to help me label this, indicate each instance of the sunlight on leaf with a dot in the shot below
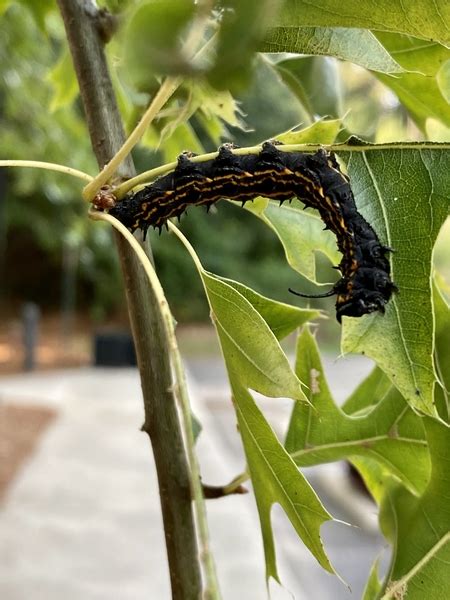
(323, 131)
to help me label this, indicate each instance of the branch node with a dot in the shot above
(106, 24)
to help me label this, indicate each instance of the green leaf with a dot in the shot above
(178, 139)
(374, 475)
(373, 585)
(64, 82)
(425, 91)
(422, 528)
(442, 351)
(4, 5)
(153, 38)
(242, 26)
(443, 80)
(255, 360)
(216, 105)
(375, 386)
(323, 131)
(173, 130)
(322, 432)
(39, 9)
(252, 353)
(281, 318)
(316, 81)
(356, 45)
(413, 54)
(404, 195)
(301, 234)
(276, 480)
(251, 350)
(418, 18)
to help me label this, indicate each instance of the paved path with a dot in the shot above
(82, 520)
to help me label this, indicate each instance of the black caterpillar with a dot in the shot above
(316, 179)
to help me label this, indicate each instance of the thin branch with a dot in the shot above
(161, 416)
(234, 487)
(37, 164)
(165, 92)
(212, 586)
(147, 176)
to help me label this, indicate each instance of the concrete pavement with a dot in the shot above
(82, 521)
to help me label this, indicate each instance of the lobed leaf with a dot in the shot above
(300, 232)
(252, 353)
(425, 90)
(322, 432)
(246, 323)
(276, 479)
(404, 195)
(323, 131)
(373, 585)
(281, 318)
(422, 527)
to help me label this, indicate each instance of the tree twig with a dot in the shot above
(161, 417)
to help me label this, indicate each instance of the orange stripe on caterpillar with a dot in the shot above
(314, 178)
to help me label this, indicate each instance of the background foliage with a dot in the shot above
(37, 69)
(393, 85)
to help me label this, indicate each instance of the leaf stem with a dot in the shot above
(212, 587)
(187, 244)
(37, 164)
(166, 90)
(236, 483)
(147, 176)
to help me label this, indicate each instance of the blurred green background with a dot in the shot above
(51, 254)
